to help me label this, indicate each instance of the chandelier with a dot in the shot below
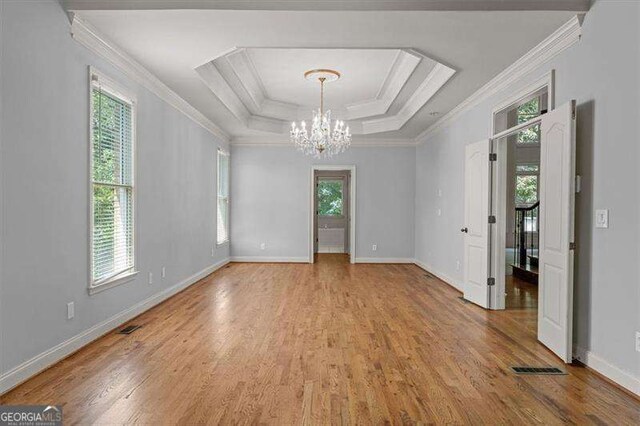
(322, 142)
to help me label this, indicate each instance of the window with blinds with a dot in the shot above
(112, 216)
(223, 198)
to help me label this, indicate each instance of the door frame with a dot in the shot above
(352, 208)
(498, 182)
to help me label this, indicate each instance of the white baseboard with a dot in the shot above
(383, 260)
(444, 277)
(602, 366)
(331, 249)
(269, 259)
(40, 362)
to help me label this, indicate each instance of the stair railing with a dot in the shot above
(527, 237)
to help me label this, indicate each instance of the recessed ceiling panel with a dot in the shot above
(268, 85)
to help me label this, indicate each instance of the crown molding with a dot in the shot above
(87, 35)
(564, 37)
(403, 66)
(279, 141)
(434, 81)
(354, 5)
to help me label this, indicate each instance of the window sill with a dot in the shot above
(114, 282)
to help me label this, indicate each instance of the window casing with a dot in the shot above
(222, 207)
(112, 190)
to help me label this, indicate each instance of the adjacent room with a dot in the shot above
(327, 212)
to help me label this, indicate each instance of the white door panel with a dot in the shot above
(557, 199)
(476, 213)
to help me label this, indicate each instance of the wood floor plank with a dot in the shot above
(328, 343)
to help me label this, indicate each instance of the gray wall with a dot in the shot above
(601, 72)
(270, 189)
(44, 126)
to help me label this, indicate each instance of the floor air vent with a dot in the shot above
(428, 276)
(538, 370)
(129, 329)
(463, 299)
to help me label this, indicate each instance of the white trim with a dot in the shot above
(284, 141)
(607, 369)
(386, 260)
(432, 83)
(338, 249)
(564, 37)
(120, 279)
(499, 178)
(352, 208)
(269, 259)
(458, 285)
(114, 88)
(322, 5)
(35, 365)
(85, 34)
(224, 153)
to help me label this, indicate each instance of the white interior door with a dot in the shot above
(557, 199)
(476, 226)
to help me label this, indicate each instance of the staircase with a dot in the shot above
(525, 262)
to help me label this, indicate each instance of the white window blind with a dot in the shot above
(223, 198)
(112, 218)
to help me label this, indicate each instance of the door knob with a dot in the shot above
(465, 230)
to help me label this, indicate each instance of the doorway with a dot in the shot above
(332, 211)
(332, 224)
(542, 231)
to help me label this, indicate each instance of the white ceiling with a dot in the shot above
(178, 45)
(281, 71)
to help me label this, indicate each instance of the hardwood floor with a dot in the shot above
(520, 294)
(318, 344)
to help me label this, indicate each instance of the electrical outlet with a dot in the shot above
(439, 211)
(263, 246)
(638, 341)
(150, 277)
(213, 251)
(374, 247)
(71, 310)
(457, 265)
(164, 272)
(439, 192)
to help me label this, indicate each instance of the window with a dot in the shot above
(112, 182)
(526, 183)
(527, 192)
(526, 112)
(330, 196)
(223, 198)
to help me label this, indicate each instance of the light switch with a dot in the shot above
(602, 218)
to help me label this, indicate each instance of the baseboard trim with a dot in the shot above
(331, 249)
(443, 277)
(608, 370)
(383, 260)
(269, 259)
(44, 360)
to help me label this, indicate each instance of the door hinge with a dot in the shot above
(491, 281)
(493, 156)
(492, 219)
(572, 246)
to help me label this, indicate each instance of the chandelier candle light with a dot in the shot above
(322, 143)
